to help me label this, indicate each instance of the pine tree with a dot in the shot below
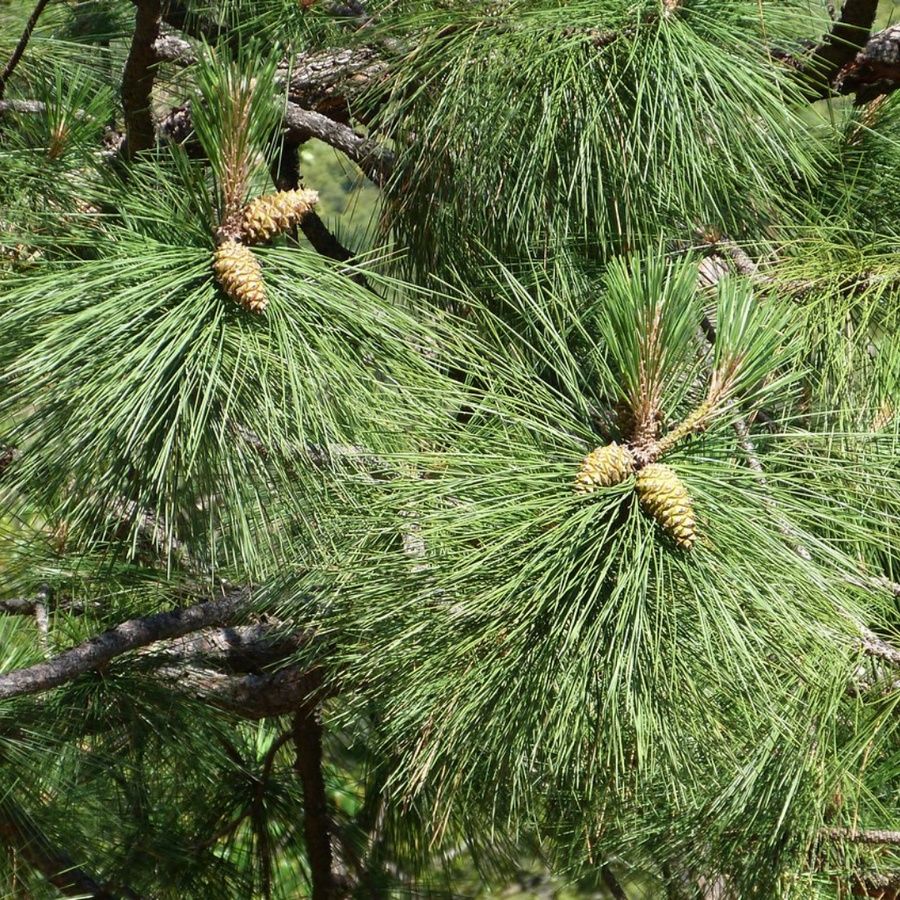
(449, 442)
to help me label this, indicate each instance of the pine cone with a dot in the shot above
(271, 215)
(604, 467)
(663, 495)
(240, 275)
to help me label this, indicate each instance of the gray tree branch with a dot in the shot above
(127, 636)
(863, 835)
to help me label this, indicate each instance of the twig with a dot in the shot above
(10, 66)
(42, 618)
(126, 636)
(612, 884)
(862, 835)
(137, 79)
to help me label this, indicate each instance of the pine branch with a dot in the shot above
(327, 81)
(307, 734)
(19, 50)
(882, 887)
(177, 15)
(130, 635)
(19, 832)
(137, 79)
(286, 175)
(612, 884)
(34, 107)
(252, 696)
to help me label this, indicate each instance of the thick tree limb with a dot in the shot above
(328, 81)
(850, 33)
(875, 70)
(253, 696)
(13, 61)
(127, 636)
(373, 158)
(307, 734)
(137, 79)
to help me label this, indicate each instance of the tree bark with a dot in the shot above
(307, 733)
(137, 79)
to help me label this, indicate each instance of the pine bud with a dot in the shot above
(274, 214)
(663, 495)
(604, 467)
(240, 275)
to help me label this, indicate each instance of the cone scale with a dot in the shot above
(604, 467)
(274, 214)
(239, 273)
(663, 495)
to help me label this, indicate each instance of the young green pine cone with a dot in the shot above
(271, 215)
(240, 275)
(604, 467)
(663, 495)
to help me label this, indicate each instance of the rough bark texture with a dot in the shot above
(850, 33)
(875, 70)
(129, 635)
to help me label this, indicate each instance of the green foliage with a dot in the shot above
(607, 222)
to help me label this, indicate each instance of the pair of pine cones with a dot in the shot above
(660, 491)
(236, 268)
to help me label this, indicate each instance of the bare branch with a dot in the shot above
(850, 33)
(177, 15)
(328, 81)
(373, 158)
(129, 635)
(137, 79)
(875, 71)
(307, 733)
(252, 696)
(863, 835)
(10, 66)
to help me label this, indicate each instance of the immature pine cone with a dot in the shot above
(239, 273)
(271, 215)
(604, 467)
(663, 495)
